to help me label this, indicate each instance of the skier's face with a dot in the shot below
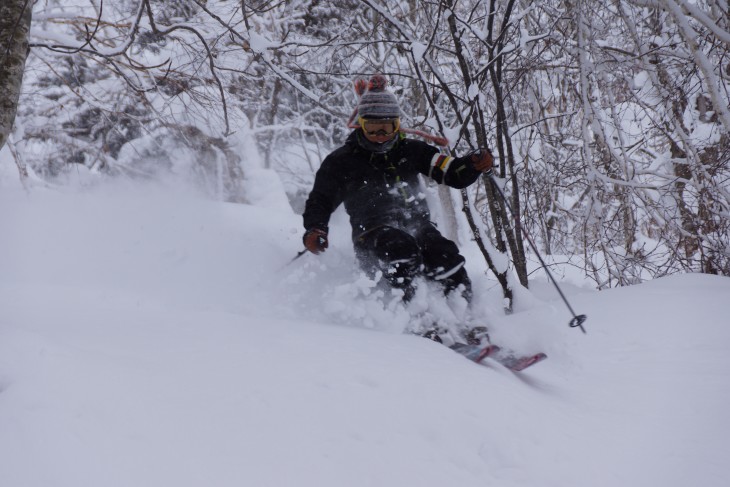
(380, 130)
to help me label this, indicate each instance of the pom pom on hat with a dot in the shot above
(376, 102)
(377, 82)
(360, 86)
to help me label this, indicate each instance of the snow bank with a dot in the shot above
(148, 338)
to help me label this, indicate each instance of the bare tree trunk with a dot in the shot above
(14, 27)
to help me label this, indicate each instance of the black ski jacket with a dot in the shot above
(381, 189)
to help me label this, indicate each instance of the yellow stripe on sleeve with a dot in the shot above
(444, 166)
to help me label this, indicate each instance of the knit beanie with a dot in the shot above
(377, 102)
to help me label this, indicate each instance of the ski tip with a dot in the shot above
(522, 364)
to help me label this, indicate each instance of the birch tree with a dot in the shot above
(15, 18)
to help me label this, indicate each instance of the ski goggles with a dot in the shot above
(380, 126)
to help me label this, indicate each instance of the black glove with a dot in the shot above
(315, 240)
(482, 160)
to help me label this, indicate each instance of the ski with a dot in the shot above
(509, 359)
(514, 361)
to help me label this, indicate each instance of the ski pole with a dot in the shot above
(321, 242)
(299, 254)
(578, 320)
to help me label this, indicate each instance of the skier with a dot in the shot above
(375, 174)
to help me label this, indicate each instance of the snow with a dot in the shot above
(150, 338)
(419, 50)
(260, 43)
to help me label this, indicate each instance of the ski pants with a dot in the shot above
(401, 256)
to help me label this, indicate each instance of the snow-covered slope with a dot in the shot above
(157, 340)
